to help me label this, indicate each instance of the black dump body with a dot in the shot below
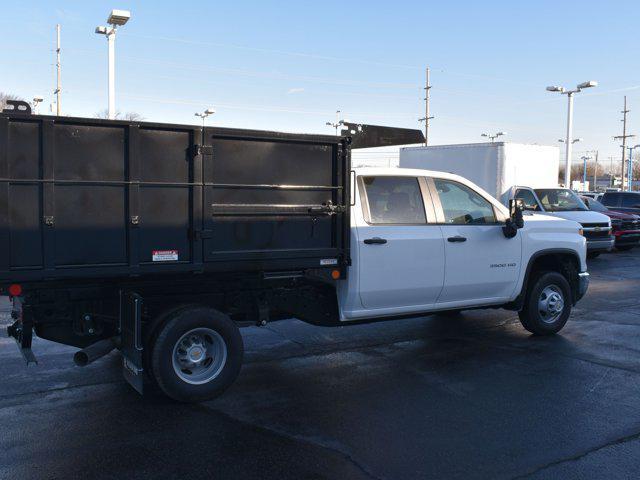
(87, 198)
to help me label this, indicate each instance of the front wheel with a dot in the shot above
(547, 305)
(197, 354)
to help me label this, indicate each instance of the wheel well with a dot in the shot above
(565, 263)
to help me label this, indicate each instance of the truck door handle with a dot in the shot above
(457, 239)
(375, 241)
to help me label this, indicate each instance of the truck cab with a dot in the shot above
(424, 241)
(564, 203)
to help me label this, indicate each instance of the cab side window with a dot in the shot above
(631, 200)
(611, 199)
(394, 200)
(461, 205)
(528, 198)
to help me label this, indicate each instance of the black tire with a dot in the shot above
(624, 248)
(593, 255)
(531, 317)
(149, 335)
(178, 324)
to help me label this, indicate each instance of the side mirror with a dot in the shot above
(515, 220)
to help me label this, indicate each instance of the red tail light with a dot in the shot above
(15, 290)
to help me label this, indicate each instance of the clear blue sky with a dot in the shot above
(289, 65)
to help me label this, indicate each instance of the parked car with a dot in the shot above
(594, 195)
(246, 228)
(625, 226)
(565, 203)
(628, 202)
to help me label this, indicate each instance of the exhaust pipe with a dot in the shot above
(94, 351)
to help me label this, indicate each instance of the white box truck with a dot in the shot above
(514, 170)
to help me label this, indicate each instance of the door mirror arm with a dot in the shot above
(515, 220)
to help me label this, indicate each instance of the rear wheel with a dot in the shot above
(624, 248)
(547, 305)
(593, 254)
(197, 354)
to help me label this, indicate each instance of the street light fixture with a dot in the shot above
(117, 18)
(494, 136)
(36, 102)
(205, 114)
(338, 123)
(575, 140)
(568, 143)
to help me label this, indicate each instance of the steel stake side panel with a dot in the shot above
(92, 198)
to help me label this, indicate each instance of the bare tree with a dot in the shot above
(130, 116)
(7, 96)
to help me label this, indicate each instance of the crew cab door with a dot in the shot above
(400, 255)
(482, 265)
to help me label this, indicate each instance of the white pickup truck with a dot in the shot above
(426, 241)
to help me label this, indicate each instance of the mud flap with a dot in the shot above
(131, 335)
(22, 330)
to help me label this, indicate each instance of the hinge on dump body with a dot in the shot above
(202, 150)
(22, 331)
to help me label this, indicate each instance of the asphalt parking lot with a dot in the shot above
(473, 396)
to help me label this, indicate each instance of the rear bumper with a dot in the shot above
(583, 285)
(601, 245)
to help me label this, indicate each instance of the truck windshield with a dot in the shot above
(594, 205)
(560, 200)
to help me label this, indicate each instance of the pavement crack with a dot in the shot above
(579, 456)
(59, 389)
(297, 438)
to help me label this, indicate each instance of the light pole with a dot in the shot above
(36, 102)
(494, 136)
(568, 143)
(338, 123)
(630, 167)
(205, 114)
(575, 140)
(116, 19)
(584, 158)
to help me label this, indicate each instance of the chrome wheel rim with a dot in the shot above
(199, 356)
(550, 304)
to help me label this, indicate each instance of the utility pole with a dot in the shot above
(624, 137)
(58, 89)
(426, 117)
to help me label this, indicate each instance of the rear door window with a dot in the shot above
(394, 200)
